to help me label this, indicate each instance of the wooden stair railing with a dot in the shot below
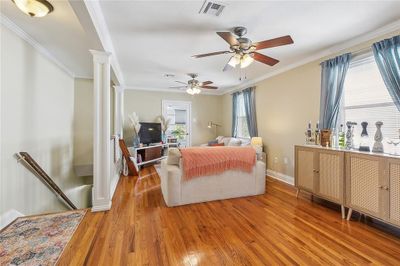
(126, 154)
(38, 171)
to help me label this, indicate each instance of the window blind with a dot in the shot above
(367, 99)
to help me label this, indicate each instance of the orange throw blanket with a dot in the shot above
(203, 161)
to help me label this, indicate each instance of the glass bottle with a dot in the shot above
(341, 137)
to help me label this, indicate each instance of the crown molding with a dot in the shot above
(96, 14)
(391, 27)
(6, 22)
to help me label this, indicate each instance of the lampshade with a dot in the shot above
(34, 8)
(256, 141)
(246, 61)
(235, 60)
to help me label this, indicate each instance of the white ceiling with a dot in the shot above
(151, 38)
(156, 37)
(60, 33)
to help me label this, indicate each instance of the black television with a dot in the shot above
(150, 133)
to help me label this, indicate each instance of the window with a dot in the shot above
(366, 98)
(242, 131)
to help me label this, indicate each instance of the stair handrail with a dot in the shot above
(39, 172)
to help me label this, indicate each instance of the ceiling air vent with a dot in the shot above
(212, 8)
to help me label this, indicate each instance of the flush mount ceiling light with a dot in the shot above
(34, 8)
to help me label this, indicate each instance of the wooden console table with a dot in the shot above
(363, 181)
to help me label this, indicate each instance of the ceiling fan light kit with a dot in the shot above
(245, 51)
(34, 8)
(193, 86)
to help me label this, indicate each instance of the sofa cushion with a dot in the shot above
(234, 142)
(174, 156)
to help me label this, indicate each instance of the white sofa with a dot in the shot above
(230, 184)
(230, 141)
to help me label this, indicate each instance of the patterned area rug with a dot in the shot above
(38, 240)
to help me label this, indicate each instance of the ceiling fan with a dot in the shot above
(193, 86)
(244, 50)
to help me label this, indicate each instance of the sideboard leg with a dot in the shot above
(297, 193)
(349, 214)
(343, 212)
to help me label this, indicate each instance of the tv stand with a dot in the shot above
(149, 154)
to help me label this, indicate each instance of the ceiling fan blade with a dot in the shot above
(206, 83)
(284, 40)
(265, 59)
(209, 87)
(210, 54)
(181, 82)
(228, 37)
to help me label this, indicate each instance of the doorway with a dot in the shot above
(180, 126)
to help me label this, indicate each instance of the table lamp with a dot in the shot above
(257, 144)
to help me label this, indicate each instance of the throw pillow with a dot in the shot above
(220, 139)
(211, 142)
(217, 144)
(174, 156)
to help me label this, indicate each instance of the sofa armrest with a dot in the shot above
(171, 183)
(260, 177)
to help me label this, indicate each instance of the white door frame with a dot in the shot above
(188, 106)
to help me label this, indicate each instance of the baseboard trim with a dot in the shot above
(103, 207)
(8, 217)
(281, 177)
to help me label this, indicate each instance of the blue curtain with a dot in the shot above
(333, 75)
(249, 98)
(387, 57)
(234, 113)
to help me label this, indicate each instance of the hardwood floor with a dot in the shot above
(274, 228)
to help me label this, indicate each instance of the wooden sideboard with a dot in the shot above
(366, 182)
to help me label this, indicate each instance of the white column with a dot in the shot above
(119, 110)
(101, 136)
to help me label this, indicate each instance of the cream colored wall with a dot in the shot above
(285, 103)
(37, 111)
(147, 104)
(83, 122)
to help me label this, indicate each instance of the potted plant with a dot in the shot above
(179, 132)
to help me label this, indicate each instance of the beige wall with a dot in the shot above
(285, 103)
(37, 111)
(83, 122)
(147, 105)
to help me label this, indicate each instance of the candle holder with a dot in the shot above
(364, 144)
(349, 134)
(378, 145)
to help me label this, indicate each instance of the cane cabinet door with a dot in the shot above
(305, 168)
(394, 191)
(365, 183)
(330, 175)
